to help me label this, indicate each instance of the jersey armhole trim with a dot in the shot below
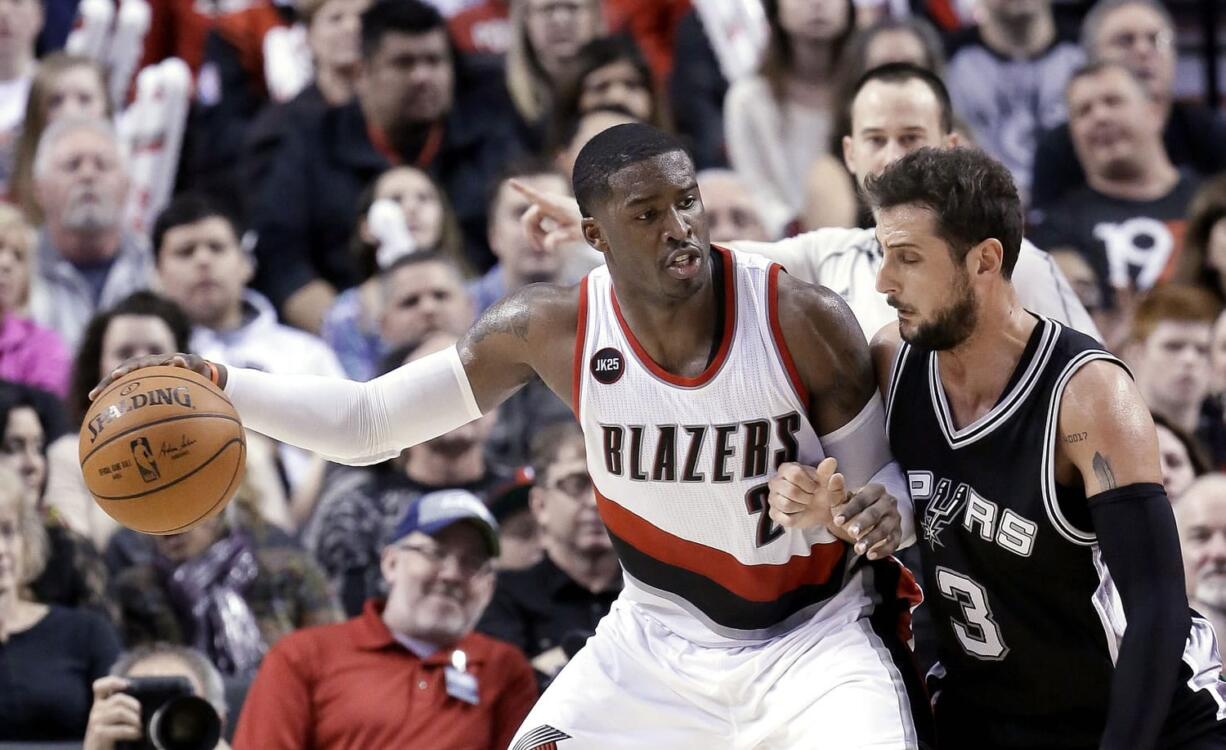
(576, 385)
(895, 376)
(789, 364)
(1051, 501)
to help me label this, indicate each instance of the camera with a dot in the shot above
(172, 717)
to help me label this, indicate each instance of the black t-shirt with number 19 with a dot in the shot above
(1027, 618)
(1126, 242)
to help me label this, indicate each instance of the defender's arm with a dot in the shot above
(1106, 441)
(833, 358)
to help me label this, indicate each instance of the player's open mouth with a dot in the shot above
(685, 264)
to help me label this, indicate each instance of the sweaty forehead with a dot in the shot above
(909, 224)
(661, 174)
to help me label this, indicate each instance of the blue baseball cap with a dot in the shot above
(435, 511)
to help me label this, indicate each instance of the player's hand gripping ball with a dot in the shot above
(162, 449)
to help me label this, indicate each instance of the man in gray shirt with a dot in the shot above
(86, 260)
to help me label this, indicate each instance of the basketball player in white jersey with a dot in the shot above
(695, 373)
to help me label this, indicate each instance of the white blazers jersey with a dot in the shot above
(680, 466)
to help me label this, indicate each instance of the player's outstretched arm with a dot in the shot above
(1106, 440)
(833, 359)
(362, 423)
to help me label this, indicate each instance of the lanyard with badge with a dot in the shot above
(461, 685)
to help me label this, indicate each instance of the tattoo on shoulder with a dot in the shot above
(1102, 471)
(1075, 437)
(512, 316)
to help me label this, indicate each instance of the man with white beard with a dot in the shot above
(1200, 514)
(86, 260)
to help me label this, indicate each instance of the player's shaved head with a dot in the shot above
(613, 150)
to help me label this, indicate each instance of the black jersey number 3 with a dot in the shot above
(977, 632)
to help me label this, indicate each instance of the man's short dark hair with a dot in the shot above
(902, 72)
(397, 16)
(971, 196)
(189, 208)
(613, 150)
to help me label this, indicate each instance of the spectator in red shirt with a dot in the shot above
(409, 672)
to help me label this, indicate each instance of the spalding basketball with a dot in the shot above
(162, 449)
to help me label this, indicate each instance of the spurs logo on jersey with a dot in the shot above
(944, 503)
(681, 465)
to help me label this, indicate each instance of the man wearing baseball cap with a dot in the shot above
(409, 672)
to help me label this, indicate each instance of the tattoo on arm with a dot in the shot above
(1075, 437)
(1102, 470)
(513, 316)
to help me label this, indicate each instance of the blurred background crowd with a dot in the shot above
(325, 187)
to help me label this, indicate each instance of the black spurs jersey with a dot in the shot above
(1027, 618)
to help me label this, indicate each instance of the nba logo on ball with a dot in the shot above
(162, 449)
(143, 455)
(608, 365)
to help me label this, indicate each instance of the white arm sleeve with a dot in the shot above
(863, 453)
(357, 423)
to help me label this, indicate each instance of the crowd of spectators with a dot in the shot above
(360, 179)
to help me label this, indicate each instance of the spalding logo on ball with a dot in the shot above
(162, 449)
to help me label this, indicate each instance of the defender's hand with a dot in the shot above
(552, 221)
(870, 519)
(186, 361)
(801, 497)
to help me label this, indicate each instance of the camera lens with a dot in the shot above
(185, 723)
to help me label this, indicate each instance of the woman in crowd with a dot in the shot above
(74, 574)
(29, 353)
(832, 199)
(546, 37)
(1204, 241)
(334, 30)
(779, 122)
(610, 72)
(49, 655)
(334, 37)
(1181, 458)
(142, 324)
(351, 325)
(64, 86)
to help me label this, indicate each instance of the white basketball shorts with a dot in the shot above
(824, 685)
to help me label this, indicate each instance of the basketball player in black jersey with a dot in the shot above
(1051, 560)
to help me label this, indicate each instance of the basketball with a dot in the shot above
(162, 449)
